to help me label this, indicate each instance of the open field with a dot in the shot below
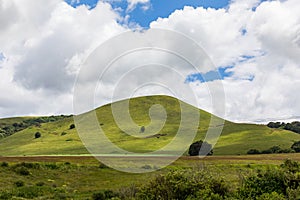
(78, 177)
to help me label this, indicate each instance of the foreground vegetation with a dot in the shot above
(235, 177)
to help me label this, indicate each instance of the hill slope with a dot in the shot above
(58, 139)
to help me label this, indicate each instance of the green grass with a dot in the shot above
(79, 178)
(235, 138)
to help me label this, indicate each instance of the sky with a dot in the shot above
(254, 46)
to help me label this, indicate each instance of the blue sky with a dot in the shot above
(158, 8)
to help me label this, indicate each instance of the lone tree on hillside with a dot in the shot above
(72, 126)
(206, 149)
(142, 129)
(37, 135)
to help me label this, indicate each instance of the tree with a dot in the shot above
(296, 146)
(37, 135)
(142, 129)
(206, 148)
(72, 126)
(253, 151)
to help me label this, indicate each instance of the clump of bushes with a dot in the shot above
(276, 149)
(10, 129)
(19, 183)
(103, 195)
(294, 126)
(4, 164)
(184, 184)
(276, 183)
(22, 171)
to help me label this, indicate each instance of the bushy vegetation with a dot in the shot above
(273, 182)
(7, 129)
(184, 184)
(295, 148)
(281, 183)
(294, 126)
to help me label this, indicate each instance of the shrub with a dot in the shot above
(272, 180)
(271, 196)
(296, 146)
(103, 166)
(40, 183)
(184, 185)
(22, 171)
(253, 151)
(37, 135)
(19, 183)
(63, 133)
(52, 166)
(31, 192)
(72, 126)
(5, 195)
(103, 195)
(4, 164)
(146, 167)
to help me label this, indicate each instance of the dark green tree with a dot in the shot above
(37, 135)
(296, 146)
(142, 129)
(200, 148)
(72, 126)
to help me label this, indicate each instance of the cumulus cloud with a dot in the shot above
(260, 42)
(44, 43)
(133, 3)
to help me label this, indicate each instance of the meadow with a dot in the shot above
(55, 164)
(58, 139)
(86, 178)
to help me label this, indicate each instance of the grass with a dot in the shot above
(58, 139)
(79, 177)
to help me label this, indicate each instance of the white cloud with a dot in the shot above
(44, 43)
(133, 3)
(268, 32)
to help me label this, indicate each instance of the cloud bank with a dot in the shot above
(43, 45)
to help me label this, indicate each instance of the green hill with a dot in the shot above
(58, 139)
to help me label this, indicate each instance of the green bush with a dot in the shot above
(52, 166)
(253, 151)
(184, 185)
(264, 182)
(30, 192)
(22, 171)
(37, 135)
(271, 196)
(63, 133)
(40, 183)
(19, 183)
(72, 126)
(4, 164)
(296, 146)
(103, 195)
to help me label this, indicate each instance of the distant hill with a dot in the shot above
(58, 139)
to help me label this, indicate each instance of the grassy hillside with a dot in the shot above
(58, 139)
